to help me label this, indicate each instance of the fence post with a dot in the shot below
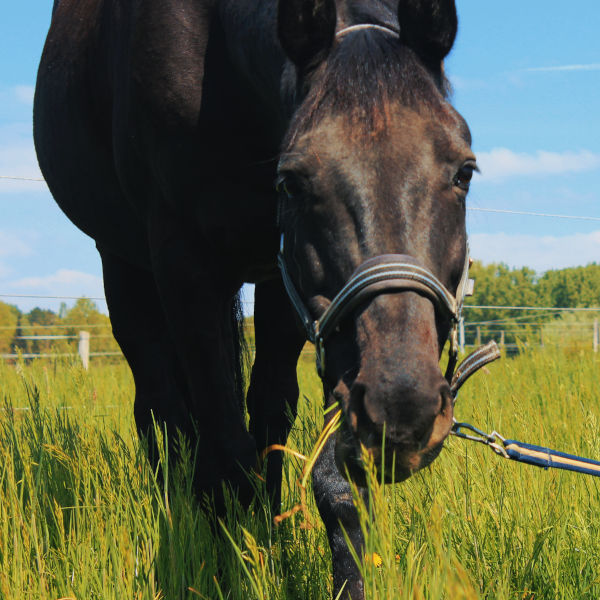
(541, 336)
(502, 339)
(84, 348)
(461, 335)
(478, 335)
(596, 335)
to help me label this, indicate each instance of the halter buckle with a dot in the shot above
(453, 337)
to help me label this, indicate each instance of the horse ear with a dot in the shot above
(429, 28)
(306, 30)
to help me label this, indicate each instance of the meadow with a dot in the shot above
(83, 516)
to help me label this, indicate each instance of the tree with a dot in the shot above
(40, 322)
(85, 314)
(9, 319)
(497, 285)
(41, 316)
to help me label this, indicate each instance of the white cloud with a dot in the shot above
(557, 68)
(248, 299)
(500, 163)
(50, 291)
(64, 282)
(17, 96)
(18, 161)
(538, 252)
(462, 84)
(24, 94)
(12, 245)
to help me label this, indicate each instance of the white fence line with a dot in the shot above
(531, 214)
(45, 337)
(41, 297)
(469, 208)
(539, 308)
(541, 326)
(83, 348)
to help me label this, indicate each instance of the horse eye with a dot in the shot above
(287, 187)
(463, 178)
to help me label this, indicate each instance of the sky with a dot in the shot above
(526, 76)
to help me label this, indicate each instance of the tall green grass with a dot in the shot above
(82, 514)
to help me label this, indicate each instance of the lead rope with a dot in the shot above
(538, 456)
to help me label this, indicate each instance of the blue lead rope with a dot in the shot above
(539, 456)
(547, 458)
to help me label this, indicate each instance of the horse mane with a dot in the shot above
(363, 73)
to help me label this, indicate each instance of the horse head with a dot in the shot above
(373, 179)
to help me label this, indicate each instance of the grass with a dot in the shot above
(83, 516)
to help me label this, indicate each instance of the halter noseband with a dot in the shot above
(382, 274)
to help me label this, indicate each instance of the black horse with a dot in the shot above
(202, 142)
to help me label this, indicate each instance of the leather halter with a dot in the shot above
(382, 274)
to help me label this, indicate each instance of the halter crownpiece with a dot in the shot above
(362, 26)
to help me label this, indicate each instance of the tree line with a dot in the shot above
(498, 285)
(495, 285)
(16, 326)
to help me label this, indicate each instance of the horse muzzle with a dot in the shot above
(397, 446)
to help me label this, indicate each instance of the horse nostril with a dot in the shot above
(357, 415)
(423, 437)
(434, 418)
(441, 422)
(447, 399)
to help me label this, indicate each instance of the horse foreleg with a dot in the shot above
(139, 326)
(196, 296)
(334, 501)
(273, 394)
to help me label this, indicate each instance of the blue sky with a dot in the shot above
(526, 76)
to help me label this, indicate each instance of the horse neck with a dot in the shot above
(251, 32)
(250, 29)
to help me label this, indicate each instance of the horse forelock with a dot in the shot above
(363, 75)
